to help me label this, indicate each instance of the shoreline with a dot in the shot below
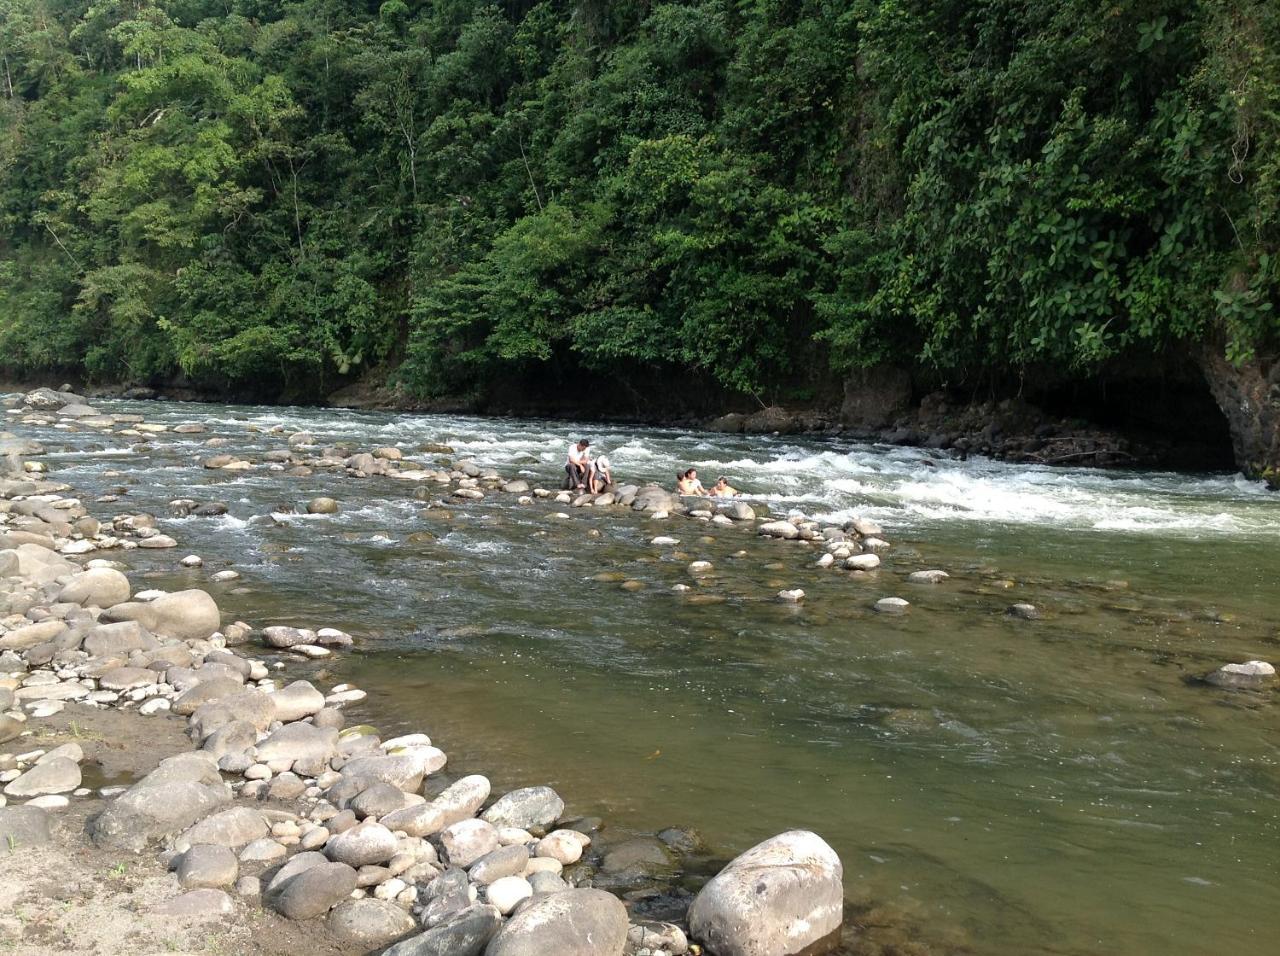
(313, 762)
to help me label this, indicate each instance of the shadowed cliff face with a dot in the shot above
(1249, 396)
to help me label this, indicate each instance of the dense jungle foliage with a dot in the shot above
(260, 191)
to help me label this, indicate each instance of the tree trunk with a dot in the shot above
(1249, 396)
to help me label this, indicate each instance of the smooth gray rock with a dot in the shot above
(234, 827)
(363, 844)
(251, 706)
(777, 899)
(573, 923)
(297, 700)
(207, 867)
(369, 923)
(381, 799)
(529, 807)
(468, 840)
(299, 863)
(23, 827)
(205, 904)
(59, 775)
(459, 801)
(464, 932)
(299, 742)
(504, 861)
(99, 587)
(117, 640)
(315, 890)
(236, 737)
(190, 615)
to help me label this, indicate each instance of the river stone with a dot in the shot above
(862, 562)
(322, 506)
(251, 706)
(313, 891)
(369, 924)
(403, 770)
(564, 846)
(780, 529)
(1025, 612)
(526, 808)
(466, 841)
(655, 498)
(365, 843)
(740, 511)
(297, 700)
(892, 605)
(59, 775)
(100, 587)
(381, 799)
(10, 727)
(231, 828)
(499, 863)
(573, 923)
(127, 678)
(263, 850)
(297, 864)
(190, 615)
(657, 936)
(182, 790)
(776, 899)
(22, 827)
(927, 577)
(117, 640)
(641, 857)
(207, 866)
(29, 635)
(507, 893)
(197, 695)
(281, 636)
(462, 933)
(1248, 674)
(459, 801)
(299, 741)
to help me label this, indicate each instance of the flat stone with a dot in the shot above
(207, 867)
(59, 775)
(206, 904)
(369, 924)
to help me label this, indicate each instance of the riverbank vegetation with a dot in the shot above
(253, 191)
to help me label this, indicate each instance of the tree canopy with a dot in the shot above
(264, 191)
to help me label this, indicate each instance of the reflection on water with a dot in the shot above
(996, 786)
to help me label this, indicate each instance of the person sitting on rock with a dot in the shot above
(578, 466)
(687, 483)
(722, 488)
(601, 475)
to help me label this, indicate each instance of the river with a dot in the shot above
(992, 785)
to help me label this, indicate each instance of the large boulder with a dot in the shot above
(47, 399)
(526, 808)
(99, 587)
(781, 897)
(572, 923)
(183, 789)
(187, 615)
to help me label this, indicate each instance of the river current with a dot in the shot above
(992, 785)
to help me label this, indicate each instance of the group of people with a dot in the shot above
(594, 475)
(687, 483)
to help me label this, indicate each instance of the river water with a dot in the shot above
(992, 785)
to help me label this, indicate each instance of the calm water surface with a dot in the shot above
(993, 786)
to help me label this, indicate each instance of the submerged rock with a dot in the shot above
(1250, 674)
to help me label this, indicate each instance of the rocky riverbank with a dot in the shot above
(145, 736)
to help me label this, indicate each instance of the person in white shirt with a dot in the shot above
(578, 465)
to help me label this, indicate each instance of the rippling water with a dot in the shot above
(993, 786)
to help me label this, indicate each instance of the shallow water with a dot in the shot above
(993, 786)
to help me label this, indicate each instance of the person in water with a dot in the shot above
(722, 488)
(601, 475)
(578, 465)
(687, 483)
